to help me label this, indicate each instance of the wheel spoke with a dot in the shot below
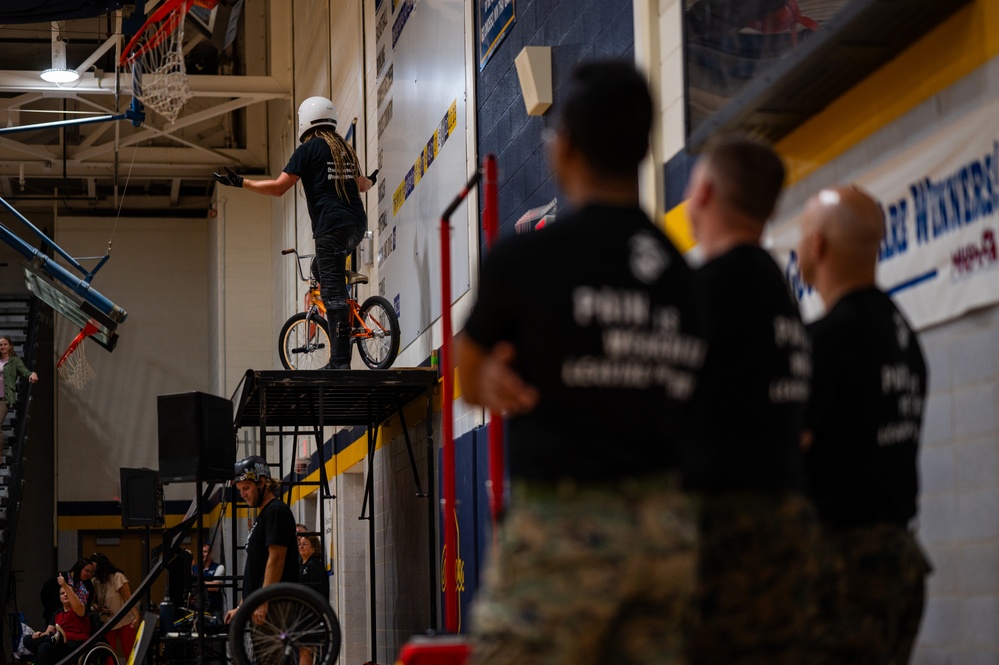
(297, 619)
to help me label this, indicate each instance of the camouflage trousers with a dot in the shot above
(764, 581)
(588, 575)
(884, 571)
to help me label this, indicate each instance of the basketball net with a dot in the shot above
(156, 56)
(73, 367)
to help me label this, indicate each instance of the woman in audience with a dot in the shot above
(112, 590)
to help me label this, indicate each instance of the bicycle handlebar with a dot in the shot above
(299, 257)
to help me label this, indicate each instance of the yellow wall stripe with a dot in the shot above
(946, 54)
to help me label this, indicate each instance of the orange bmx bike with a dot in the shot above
(304, 341)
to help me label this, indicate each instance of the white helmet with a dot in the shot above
(315, 112)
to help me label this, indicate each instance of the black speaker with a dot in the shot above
(141, 498)
(196, 438)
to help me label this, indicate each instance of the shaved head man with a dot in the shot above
(841, 232)
(862, 429)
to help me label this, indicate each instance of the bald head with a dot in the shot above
(841, 231)
(850, 219)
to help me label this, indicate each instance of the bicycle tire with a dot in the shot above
(297, 618)
(304, 344)
(101, 654)
(379, 350)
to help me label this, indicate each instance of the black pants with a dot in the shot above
(331, 259)
(47, 653)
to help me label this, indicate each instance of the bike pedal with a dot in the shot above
(356, 277)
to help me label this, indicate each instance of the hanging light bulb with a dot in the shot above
(59, 73)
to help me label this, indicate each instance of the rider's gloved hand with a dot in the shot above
(229, 179)
(373, 177)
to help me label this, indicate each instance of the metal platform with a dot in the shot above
(325, 398)
(286, 402)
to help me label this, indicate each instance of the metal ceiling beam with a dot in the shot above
(260, 88)
(149, 162)
(38, 152)
(149, 133)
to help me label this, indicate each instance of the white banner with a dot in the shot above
(941, 204)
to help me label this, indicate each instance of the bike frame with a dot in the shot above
(314, 304)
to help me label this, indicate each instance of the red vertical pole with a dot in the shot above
(447, 432)
(449, 503)
(490, 224)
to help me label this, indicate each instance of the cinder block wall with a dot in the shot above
(576, 31)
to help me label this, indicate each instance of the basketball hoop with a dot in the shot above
(156, 56)
(73, 367)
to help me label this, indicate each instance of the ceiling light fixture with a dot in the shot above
(59, 73)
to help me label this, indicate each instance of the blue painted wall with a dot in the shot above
(577, 30)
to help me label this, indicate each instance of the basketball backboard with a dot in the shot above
(77, 307)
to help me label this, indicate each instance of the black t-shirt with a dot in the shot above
(312, 574)
(746, 418)
(275, 525)
(595, 306)
(313, 163)
(865, 412)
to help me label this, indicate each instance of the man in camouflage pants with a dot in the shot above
(862, 430)
(596, 557)
(759, 569)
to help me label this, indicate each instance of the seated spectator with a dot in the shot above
(214, 600)
(79, 578)
(69, 629)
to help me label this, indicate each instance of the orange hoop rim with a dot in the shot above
(87, 331)
(179, 7)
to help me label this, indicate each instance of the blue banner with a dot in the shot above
(496, 17)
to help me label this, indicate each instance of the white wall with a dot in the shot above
(158, 272)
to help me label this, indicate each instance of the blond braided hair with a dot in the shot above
(345, 161)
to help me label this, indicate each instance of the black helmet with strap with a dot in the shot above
(252, 468)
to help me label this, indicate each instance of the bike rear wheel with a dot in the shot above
(304, 342)
(379, 349)
(298, 619)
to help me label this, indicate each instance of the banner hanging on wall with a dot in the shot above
(496, 17)
(940, 199)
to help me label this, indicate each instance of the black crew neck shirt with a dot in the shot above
(275, 525)
(865, 412)
(595, 306)
(313, 163)
(746, 418)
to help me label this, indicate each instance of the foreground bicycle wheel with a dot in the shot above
(304, 343)
(379, 349)
(102, 654)
(298, 619)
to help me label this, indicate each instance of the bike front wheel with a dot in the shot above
(304, 342)
(299, 620)
(380, 346)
